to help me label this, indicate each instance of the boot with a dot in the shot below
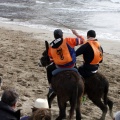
(50, 96)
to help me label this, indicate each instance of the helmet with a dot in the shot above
(58, 33)
(91, 33)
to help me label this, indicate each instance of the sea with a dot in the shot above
(103, 16)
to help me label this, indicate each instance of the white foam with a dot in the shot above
(4, 19)
(100, 35)
(40, 2)
(13, 5)
(115, 1)
(88, 9)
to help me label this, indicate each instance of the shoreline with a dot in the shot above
(20, 51)
(109, 46)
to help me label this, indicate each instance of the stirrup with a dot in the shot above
(51, 91)
(50, 96)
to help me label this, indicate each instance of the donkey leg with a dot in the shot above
(50, 99)
(110, 104)
(62, 109)
(73, 103)
(103, 107)
(106, 100)
(78, 112)
(72, 108)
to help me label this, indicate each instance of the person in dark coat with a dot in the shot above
(8, 104)
(92, 53)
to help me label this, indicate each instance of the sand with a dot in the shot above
(20, 50)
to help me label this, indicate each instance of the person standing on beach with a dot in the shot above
(62, 54)
(40, 111)
(92, 54)
(8, 104)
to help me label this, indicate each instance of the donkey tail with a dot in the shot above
(73, 102)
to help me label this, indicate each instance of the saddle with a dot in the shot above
(58, 70)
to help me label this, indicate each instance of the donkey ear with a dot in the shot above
(46, 46)
(44, 53)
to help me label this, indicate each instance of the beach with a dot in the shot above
(20, 50)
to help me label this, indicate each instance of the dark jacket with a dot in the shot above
(7, 113)
(87, 51)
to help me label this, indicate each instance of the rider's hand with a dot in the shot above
(74, 32)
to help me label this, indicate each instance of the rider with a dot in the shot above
(92, 54)
(61, 52)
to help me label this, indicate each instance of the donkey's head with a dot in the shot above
(44, 60)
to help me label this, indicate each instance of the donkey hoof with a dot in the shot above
(58, 118)
(102, 118)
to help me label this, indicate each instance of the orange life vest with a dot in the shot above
(61, 55)
(98, 55)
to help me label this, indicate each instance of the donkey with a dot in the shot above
(96, 88)
(68, 86)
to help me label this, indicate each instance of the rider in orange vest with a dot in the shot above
(61, 52)
(92, 54)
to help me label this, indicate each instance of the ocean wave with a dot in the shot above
(13, 5)
(4, 19)
(100, 35)
(102, 15)
(115, 1)
(37, 26)
(89, 9)
(40, 2)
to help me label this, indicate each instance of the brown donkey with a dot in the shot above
(96, 88)
(68, 86)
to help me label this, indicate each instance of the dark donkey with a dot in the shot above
(96, 88)
(68, 86)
